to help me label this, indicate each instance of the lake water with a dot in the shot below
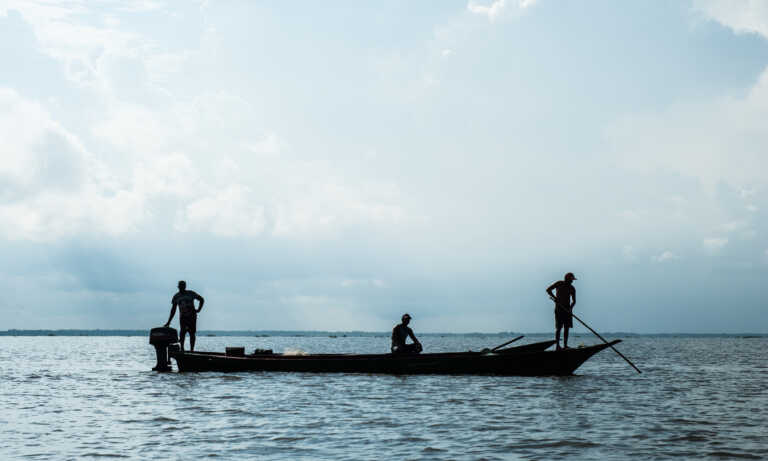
(94, 397)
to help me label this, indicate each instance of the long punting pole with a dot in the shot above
(596, 334)
(508, 342)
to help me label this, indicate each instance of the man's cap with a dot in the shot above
(570, 275)
(182, 283)
(406, 316)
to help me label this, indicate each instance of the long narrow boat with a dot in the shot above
(532, 347)
(525, 361)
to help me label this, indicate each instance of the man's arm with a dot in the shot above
(552, 287)
(173, 312)
(413, 337)
(393, 344)
(202, 301)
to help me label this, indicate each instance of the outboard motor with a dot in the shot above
(161, 338)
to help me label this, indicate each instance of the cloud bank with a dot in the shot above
(452, 171)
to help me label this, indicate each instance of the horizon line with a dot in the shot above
(143, 331)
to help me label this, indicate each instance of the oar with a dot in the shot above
(568, 311)
(508, 342)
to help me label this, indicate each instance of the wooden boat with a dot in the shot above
(540, 346)
(526, 360)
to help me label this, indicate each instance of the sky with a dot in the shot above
(332, 165)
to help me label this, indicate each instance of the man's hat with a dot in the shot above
(406, 316)
(570, 275)
(182, 283)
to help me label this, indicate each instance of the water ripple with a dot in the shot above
(73, 398)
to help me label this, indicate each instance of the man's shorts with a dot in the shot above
(562, 319)
(188, 323)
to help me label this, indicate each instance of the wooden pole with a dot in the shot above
(568, 311)
(508, 342)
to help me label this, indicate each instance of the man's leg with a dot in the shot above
(182, 333)
(192, 329)
(565, 336)
(557, 336)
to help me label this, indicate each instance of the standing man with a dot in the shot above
(402, 332)
(564, 293)
(185, 299)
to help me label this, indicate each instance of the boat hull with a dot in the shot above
(526, 362)
(532, 347)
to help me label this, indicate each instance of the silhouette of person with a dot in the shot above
(185, 299)
(564, 292)
(400, 333)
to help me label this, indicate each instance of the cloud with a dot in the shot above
(36, 148)
(715, 139)
(83, 48)
(629, 253)
(139, 159)
(743, 16)
(715, 243)
(54, 186)
(497, 7)
(269, 144)
(227, 212)
(666, 256)
(321, 312)
(720, 139)
(734, 226)
(163, 152)
(491, 11)
(349, 283)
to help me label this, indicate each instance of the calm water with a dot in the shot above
(92, 397)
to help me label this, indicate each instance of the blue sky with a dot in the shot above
(332, 165)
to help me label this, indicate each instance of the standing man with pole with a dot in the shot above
(564, 293)
(185, 299)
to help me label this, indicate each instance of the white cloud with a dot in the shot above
(82, 48)
(497, 7)
(734, 226)
(349, 283)
(133, 129)
(227, 212)
(321, 312)
(628, 252)
(665, 257)
(633, 215)
(715, 243)
(743, 16)
(747, 192)
(167, 176)
(269, 144)
(716, 140)
(328, 207)
(446, 53)
(53, 185)
(491, 11)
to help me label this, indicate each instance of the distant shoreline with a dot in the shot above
(310, 333)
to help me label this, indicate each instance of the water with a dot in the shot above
(95, 397)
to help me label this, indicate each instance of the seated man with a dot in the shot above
(400, 333)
